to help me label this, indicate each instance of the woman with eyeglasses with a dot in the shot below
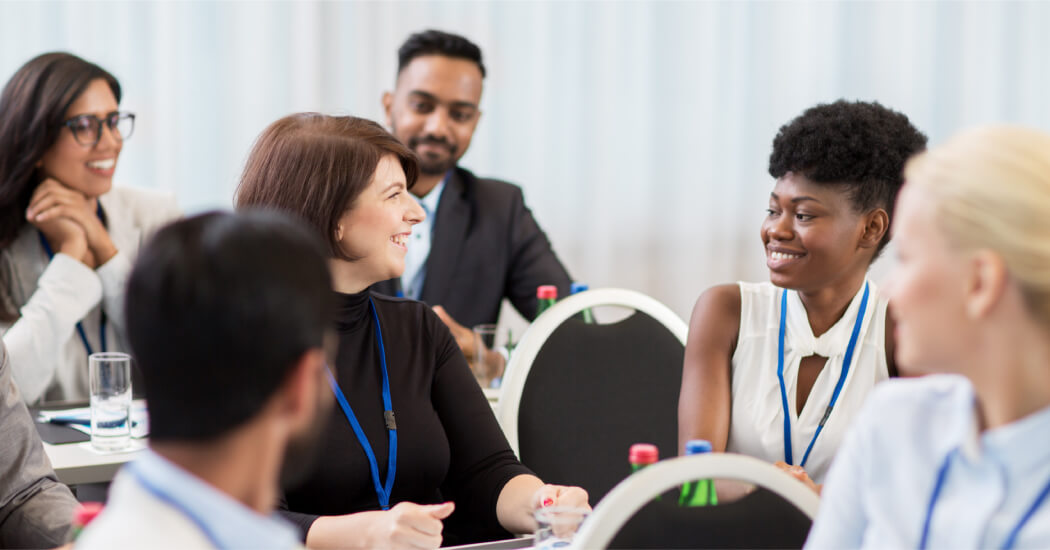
(67, 236)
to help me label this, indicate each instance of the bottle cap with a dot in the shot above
(644, 453)
(547, 292)
(578, 287)
(697, 446)
(86, 512)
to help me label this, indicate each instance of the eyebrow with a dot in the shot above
(95, 114)
(431, 97)
(400, 184)
(798, 199)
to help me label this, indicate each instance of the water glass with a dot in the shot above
(488, 361)
(557, 525)
(110, 380)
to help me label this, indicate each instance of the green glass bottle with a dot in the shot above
(546, 296)
(586, 315)
(700, 492)
(642, 455)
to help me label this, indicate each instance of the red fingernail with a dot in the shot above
(547, 502)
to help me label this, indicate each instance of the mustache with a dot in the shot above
(430, 140)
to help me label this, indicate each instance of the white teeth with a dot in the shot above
(400, 240)
(102, 164)
(783, 256)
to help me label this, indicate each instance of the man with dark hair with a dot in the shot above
(479, 243)
(226, 316)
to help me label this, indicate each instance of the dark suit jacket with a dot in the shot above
(485, 246)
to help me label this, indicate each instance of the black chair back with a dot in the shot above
(762, 519)
(592, 391)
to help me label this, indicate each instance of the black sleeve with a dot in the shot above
(481, 459)
(300, 520)
(533, 262)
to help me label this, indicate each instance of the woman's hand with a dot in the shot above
(800, 474)
(62, 233)
(54, 202)
(405, 526)
(560, 495)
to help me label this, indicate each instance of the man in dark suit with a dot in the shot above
(479, 243)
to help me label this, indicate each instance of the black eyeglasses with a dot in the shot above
(87, 129)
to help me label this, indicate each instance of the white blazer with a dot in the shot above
(48, 358)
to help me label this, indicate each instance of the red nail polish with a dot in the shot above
(547, 502)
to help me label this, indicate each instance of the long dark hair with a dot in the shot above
(32, 108)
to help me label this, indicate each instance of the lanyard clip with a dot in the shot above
(388, 418)
(827, 413)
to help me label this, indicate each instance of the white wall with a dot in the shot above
(640, 131)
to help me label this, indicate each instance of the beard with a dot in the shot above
(300, 454)
(430, 164)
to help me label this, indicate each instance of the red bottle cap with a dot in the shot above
(644, 453)
(547, 292)
(86, 512)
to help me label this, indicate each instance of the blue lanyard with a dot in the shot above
(186, 511)
(838, 386)
(102, 318)
(382, 490)
(942, 474)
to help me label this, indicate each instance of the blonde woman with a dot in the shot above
(960, 459)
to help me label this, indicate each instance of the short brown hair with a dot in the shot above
(315, 166)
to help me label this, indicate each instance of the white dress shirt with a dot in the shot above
(879, 491)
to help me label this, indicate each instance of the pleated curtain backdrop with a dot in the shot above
(640, 131)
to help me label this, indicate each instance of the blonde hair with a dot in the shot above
(991, 186)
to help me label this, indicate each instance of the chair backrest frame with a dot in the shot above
(631, 494)
(517, 370)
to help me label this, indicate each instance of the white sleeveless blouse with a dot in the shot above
(757, 424)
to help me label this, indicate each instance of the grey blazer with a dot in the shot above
(35, 509)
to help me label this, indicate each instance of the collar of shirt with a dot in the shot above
(419, 244)
(1021, 447)
(230, 523)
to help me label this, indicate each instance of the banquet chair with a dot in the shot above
(577, 395)
(777, 514)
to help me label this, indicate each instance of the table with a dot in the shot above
(77, 463)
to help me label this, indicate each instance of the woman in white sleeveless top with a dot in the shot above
(838, 168)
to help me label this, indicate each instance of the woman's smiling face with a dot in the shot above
(813, 234)
(88, 169)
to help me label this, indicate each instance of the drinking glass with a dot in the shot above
(557, 525)
(488, 361)
(110, 380)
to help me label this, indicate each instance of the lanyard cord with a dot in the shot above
(382, 490)
(186, 511)
(942, 475)
(838, 386)
(102, 317)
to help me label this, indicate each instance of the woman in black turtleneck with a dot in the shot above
(349, 179)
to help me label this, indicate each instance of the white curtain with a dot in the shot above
(640, 131)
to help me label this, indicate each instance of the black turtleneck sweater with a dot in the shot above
(449, 446)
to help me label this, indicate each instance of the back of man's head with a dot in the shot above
(219, 308)
(433, 42)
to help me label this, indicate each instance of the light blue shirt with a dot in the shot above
(879, 488)
(225, 521)
(419, 244)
